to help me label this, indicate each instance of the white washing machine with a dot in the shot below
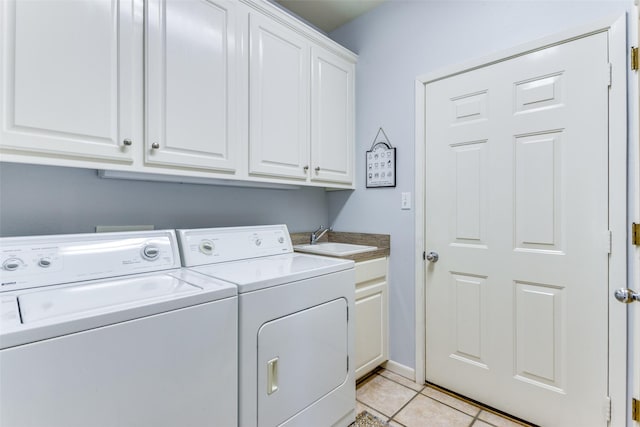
(106, 330)
(296, 337)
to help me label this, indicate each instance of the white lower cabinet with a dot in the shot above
(372, 315)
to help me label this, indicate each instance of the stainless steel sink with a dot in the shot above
(334, 249)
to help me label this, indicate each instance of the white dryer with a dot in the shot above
(106, 330)
(296, 337)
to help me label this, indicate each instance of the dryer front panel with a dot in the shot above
(301, 358)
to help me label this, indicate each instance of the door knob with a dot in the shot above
(626, 295)
(432, 256)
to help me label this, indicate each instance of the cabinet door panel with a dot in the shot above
(191, 96)
(371, 327)
(332, 117)
(67, 78)
(279, 82)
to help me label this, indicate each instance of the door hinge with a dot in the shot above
(609, 74)
(347, 314)
(347, 363)
(607, 409)
(635, 409)
(635, 62)
(609, 241)
(635, 234)
(424, 255)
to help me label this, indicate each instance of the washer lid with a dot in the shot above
(46, 312)
(258, 273)
(51, 303)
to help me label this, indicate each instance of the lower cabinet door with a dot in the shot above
(371, 327)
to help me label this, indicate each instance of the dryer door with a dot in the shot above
(301, 358)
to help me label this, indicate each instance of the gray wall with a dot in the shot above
(53, 200)
(396, 42)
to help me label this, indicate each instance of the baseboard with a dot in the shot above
(400, 369)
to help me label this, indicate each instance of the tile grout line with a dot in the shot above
(419, 392)
(405, 405)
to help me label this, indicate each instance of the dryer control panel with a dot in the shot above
(214, 245)
(27, 262)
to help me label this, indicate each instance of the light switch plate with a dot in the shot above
(406, 201)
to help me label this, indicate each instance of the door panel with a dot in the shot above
(279, 100)
(67, 71)
(191, 87)
(332, 94)
(516, 206)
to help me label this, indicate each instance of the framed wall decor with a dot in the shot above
(381, 162)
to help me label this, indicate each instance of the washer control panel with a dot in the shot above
(27, 262)
(213, 245)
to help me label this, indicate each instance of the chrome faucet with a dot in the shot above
(315, 236)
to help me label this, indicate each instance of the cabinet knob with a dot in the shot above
(306, 168)
(317, 169)
(155, 145)
(127, 142)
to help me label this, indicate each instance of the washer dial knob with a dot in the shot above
(207, 247)
(258, 242)
(12, 264)
(44, 262)
(150, 252)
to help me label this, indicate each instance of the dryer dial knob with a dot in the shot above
(44, 262)
(258, 242)
(12, 264)
(280, 239)
(207, 247)
(150, 252)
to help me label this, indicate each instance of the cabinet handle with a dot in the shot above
(155, 145)
(317, 169)
(127, 142)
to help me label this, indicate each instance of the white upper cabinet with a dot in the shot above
(191, 84)
(224, 89)
(301, 98)
(278, 99)
(67, 72)
(332, 117)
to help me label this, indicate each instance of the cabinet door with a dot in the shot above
(68, 79)
(279, 100)
(371, 316)
(191, 86)
(332, 117)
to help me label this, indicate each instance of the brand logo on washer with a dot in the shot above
(8, 283)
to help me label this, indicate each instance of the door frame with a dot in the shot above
(634, 352)
(616, 28)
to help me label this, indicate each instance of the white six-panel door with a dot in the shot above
(517, 209)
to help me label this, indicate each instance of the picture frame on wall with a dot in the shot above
(380, 163)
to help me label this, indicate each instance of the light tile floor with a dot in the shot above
(404, 403)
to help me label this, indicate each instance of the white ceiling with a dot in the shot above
(329, 14)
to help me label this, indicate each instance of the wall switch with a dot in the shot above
(406, 201)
